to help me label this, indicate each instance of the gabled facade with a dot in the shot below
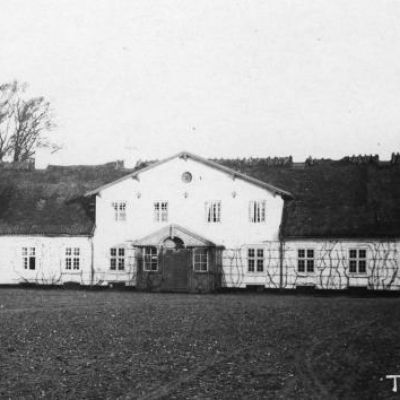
(181, 214)
(190, 224)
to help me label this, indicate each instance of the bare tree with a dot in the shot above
(24, 122)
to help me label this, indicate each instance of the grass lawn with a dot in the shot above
(60, 344)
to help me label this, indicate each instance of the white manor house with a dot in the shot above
(191, 224)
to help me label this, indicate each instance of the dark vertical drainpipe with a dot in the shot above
(281, 244)
(91, 261)
(281, 250)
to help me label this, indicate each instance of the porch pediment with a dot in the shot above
(173, 231)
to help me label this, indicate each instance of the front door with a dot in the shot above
(176, 269)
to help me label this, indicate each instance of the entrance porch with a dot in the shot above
(175, 259)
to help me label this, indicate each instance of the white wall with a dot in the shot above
(331, 269)
(164, 183)
(50, 260)
(331, 265)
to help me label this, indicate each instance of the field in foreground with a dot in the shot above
(60, 344)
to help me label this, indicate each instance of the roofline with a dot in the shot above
(343, 238)
(186, 231)
(213, 164)
(52, 235)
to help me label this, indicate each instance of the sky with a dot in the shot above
(144, 79)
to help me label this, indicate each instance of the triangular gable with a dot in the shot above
(189, 238)
(212, 164)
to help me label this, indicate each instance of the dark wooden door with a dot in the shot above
(176, 269)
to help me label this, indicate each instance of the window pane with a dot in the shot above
(251, 253)
(362, 266)
(301, 265)
(260, 265)
(310, 265)
(121, 252)
(213, 209)
(32, 262)
(310, 253)
(353, 253)
(250, 265)
(301, 253)
(113, 252)
(362, 253)
(263, 211)
(353, 266)
(260, 253)
(68, 251)
(121, 263)
(113, 263)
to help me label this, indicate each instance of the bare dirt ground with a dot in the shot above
(61, 344)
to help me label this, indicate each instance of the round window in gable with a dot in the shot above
(187, 177)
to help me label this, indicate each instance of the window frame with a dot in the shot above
(357, 259)
(213, 210)
(118, 259)
(29, 255)
(307, 259)
(119, 208)
(150, 259)
(256, 257)
(72, 259)
(257, 211)
(161, 211)
(199, 262)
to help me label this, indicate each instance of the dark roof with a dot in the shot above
(336, 199)
(332, 200)
(50, 202)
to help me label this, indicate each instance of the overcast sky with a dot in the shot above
(221, 78)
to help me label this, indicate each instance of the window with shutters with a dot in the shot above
(257, 211)
(213, 211)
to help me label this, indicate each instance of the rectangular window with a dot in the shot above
(305, 260)
(357, 261)
(161, 211)
(29, 257)
(117, 259)
(200, 260)
(119, 210)
(257, 211)
(150, 259)
(255, 260)
(213, 211)
(72, 258)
